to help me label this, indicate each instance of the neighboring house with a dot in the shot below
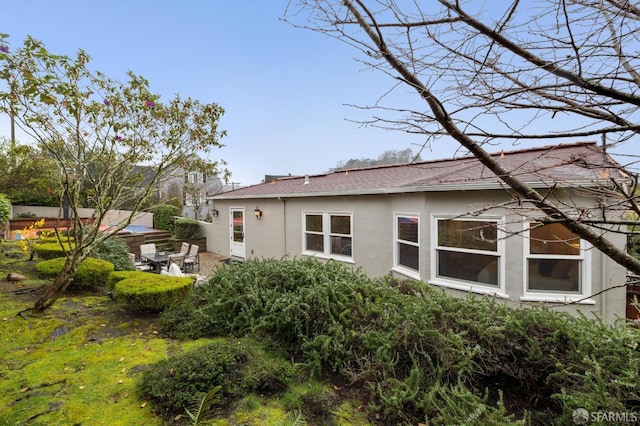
(450, 223)
(194, 189)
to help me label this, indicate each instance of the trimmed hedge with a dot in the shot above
(51, 250)
(163, 216)
(90, 273)
(153, 292)
(186, 229)
(117, 276)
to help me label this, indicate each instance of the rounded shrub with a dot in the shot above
(90, 273)
(151, 292)
(117, 276)
(47, 237)
(51, 250)
(238, 366)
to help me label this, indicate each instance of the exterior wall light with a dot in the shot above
(257, 212)
(214, 212)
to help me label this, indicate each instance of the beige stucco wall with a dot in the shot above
(112, 218)
(280, 232)
(264, 237)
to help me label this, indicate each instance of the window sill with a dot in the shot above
(496, 292)
(328, 257)
(553, 298)
(414, 275)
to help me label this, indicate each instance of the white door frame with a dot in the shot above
(237, 246)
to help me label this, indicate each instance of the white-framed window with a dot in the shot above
(198, 199)
(328, 235)
(195, 177)
(556, 264)
(468, 254)
(406, 249)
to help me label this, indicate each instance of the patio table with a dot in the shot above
(158, 259)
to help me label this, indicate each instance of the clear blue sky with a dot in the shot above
(284, 89)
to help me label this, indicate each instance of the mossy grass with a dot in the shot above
(60, 372)
(81, 361)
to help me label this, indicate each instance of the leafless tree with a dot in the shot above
(490, 73)
(201, 180)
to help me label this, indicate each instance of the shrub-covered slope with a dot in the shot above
(418, 354)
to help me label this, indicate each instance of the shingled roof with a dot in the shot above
(578, 164)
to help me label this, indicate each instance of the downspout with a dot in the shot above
(284, 224)
(603, 260)
(603, 278)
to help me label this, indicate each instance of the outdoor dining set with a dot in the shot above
(152, 260)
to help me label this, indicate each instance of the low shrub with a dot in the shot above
(116, 251)
(25, 215)
(118, 276)
(186, 229)
(90, 273)
(152, 292)
(51, 250)
(239, 366)
(51, 237)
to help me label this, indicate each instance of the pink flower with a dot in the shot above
(4, 49)
(106, 102)
(150, 104)
(119, 138)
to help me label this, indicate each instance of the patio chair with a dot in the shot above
(193, 258)
(176, 259)
(147, 248)
(184, 248)
(139, 264)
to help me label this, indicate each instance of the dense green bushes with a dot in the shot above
(163, 216)
(186, 229)
(113, 250)
(5, 208)
(152, 292)
(421, 355)
(51, 250)
(116, 251)
(90, 273)
(239, 366)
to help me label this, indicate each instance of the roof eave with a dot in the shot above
(399, 190)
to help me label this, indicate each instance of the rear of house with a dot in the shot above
(449, 223)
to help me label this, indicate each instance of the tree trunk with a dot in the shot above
(56, 288)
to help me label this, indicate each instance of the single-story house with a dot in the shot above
(450, 223)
